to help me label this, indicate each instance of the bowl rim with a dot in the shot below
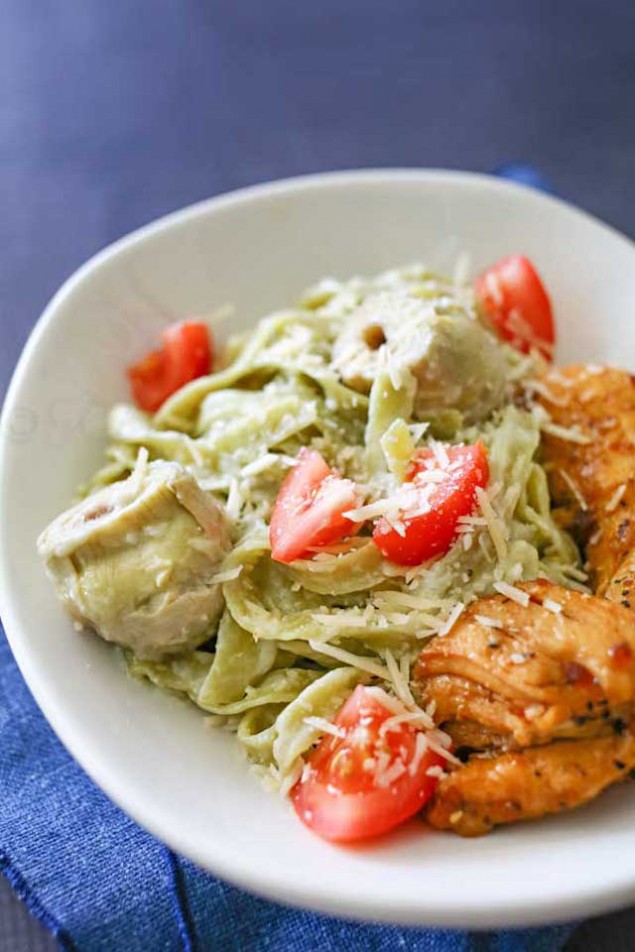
(570, 902)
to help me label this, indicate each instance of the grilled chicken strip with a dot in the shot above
(480, 720)
(593, 481)
(491, 791)
(515, 675)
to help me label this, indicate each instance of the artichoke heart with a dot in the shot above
(136, 561)
(455, 361)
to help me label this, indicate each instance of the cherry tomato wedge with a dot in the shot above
(310, 507)
(434, 498)
(368, 780)
(187, 353)
(514, 298)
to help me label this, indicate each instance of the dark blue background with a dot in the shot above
(115, 111)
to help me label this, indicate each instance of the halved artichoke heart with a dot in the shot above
(136, 560)
(456, 363)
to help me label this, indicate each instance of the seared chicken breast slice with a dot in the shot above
(478, 719)
(592, 476)
(526, 785)
(561, 665)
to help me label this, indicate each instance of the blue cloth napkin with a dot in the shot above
(525, 175)
(100, 883)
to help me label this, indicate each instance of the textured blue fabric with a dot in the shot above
(525, 175)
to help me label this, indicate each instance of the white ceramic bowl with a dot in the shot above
(151, 753)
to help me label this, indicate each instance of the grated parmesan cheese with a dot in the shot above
(421, 746)
(373, 510)
(399, 683)
(417, 430)
(614, 501)
(265, 462)
(595, 538)
(389, 702)
(387, 776)
(415, 718)
(572, 434)
(470, 522)
(440, 742)
(388, 600)
(326, 727)
(440, 454)
(514, 594)
(495, 526)
(536, 386)
(452, 618)
(488, 622)
(342, 619)
(437, 740)
(575, 489)
(235, 501)
(430, 476)
(347, 657)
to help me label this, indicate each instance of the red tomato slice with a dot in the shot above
(370, 779)
(309, 509)
(147, 381)
(187, 353)
(514, 298)
(435, 507)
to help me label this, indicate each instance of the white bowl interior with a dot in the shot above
(153, 754)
